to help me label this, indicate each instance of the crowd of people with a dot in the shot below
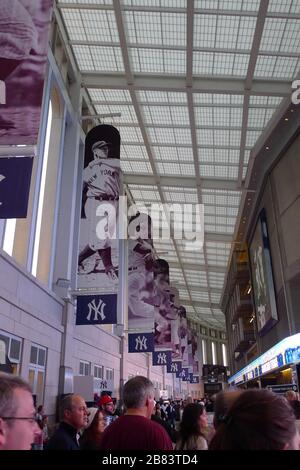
(243, 419)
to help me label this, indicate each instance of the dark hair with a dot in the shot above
(189, 425)
(295, 404)
(257, 420)
(91, 436)
(223, 401)
(136, 391)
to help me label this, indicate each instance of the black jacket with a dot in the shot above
(64, 438)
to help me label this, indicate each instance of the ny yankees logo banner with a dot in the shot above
(193, 379)
(15, 177)
(96, 309)
(140, 342)
(162, 358)
(174, 368)
(184, 375)
(24, 26)
(98, 245)
(140, 274)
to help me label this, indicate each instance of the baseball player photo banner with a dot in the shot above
(98, 245)
(15, 178)
(140, 342)
(183, 335)
(96, 309)
(174, 318)
(162, 306)
(25, 27)
(140, 274)
(162, 358)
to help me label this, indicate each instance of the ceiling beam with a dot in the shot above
(144, 8)
(165, 82)
(181, 182)
(198, 267)
(198, 304)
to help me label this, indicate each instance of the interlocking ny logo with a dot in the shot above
(162, 358)
(141, 343)
(98, 310)
(174, 367)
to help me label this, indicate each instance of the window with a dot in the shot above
(84, 368)
(224, 355)
(203, 330)
(109, 374)
(204, 352)
(37, 371)
(98, 372)
(213, 333)
(13, 350)
(214, 354)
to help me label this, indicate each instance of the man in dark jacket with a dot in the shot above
(74, 416)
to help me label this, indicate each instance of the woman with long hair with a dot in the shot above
(93, 432)
(257, 420)
(192, 426)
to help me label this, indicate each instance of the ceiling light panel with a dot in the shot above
(96, 58)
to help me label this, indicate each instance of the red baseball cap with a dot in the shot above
(105, 400)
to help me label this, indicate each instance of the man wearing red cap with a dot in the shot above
(107, 407)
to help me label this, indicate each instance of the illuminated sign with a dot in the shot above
(283, 353)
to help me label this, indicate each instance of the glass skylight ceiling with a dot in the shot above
(193, 148)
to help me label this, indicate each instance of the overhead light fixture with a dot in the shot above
(286, 119)
(249, 290)
(267, 148)
(251, 319)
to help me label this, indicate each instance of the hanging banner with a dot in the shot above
(140, 274)
(96, 309)
(193, 352)
(193, 379)
(162, 322)
(184, 375)
(162, 358)
(174, 318)
(98, 245)
(25, 27)
(15, 177)
(183, 334)
(262, 276)
(175, 368)
(140, 342)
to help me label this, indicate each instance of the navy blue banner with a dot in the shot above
(96, 309)
(184, 375)
(162, 358)
(193, 379)
(175, 367)
(140, 342)
(15, 177)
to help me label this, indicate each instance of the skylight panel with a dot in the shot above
(130, 134)
(100, 25)
(221, 117)
(205, 136)
(265, 66)
(234, 138)
(169, 168)
(221, 138)
(74, 24)
(272, 34)
(179, 115)
(279, 6)
(205, 30)
(157, 115)
(204, 116)
(246, 32)
(143, 27)
(109, 95)
(256, 117)
(203, 98)
(223, 64)
(240, 67)
(286, 67)
(175, 61)
(251, 138)
(187, 170)
(183, 136)
(127, 112)
(206, 155)
(203, 63)
(227, 31)
(104, 59)
(134, 152)
(236, 117)
(173, 29)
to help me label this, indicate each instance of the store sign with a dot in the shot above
(285, 352)
(283, 388)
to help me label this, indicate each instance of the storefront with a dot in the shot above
(277, 369)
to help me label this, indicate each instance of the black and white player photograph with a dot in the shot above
(98, 247)
(24, 35)
(140, 275)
